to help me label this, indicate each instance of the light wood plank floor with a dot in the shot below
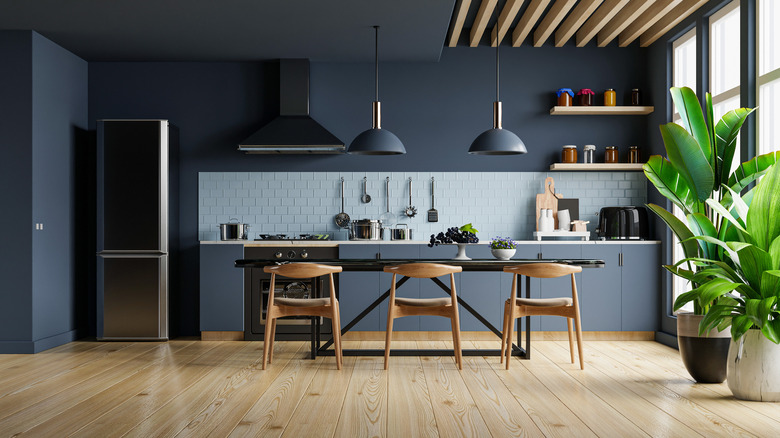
(217, 389)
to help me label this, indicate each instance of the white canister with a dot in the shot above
(546, 221)
(564, 220)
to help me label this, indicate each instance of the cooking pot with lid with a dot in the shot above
(401, 233)
(233, 230)
(366, 229)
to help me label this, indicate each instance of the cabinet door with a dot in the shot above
(641, 281)
(221, 288)
(410, 289)
(559, 287)
(357, 290)
(600, 302)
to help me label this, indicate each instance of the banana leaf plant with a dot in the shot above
(745, 285)
(697, 165)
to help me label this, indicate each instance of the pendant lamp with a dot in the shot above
(376, 141)
(497, 141)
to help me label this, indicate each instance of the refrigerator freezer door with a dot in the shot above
(133, 185)
(134, 296)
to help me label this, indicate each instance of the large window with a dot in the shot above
(725, 63)
(768, 81)
(684, 75)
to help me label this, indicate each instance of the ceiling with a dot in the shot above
(236, 30)
(333, 30)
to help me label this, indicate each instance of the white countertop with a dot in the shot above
(331, 243)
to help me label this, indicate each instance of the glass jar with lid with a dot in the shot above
(610, 97)
(569, 154)
(611, 154)
(565, 96)
(633, 154)
(588, 151)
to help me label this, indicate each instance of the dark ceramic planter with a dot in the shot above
(704, 356)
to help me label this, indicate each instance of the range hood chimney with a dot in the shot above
(294, 131)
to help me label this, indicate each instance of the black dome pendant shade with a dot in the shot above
(497, 141)
(376, 141)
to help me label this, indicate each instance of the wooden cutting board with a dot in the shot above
(548, 199)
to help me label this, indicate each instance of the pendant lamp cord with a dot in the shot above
(376, 61)
(498, 43)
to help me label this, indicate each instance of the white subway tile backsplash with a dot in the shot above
(497, 203)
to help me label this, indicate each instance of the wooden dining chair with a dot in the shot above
(327, 307)
(568, 307)
(445, 306)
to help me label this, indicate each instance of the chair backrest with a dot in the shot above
(423, 270)
(302, 270)
(543, 270)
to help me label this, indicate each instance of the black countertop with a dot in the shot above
(379, 264)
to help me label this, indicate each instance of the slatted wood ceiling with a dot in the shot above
(561, 20)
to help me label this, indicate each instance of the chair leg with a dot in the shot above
(267, 339)
(388, 335)
(271, 343)
(510, 333)
(455, 322)
(578, 328)
(336, 324)
(504, 330)
(571, 338)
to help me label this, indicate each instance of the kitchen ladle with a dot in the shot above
(411, 210)
(342, 219)
(365, 198)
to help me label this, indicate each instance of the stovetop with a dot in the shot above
(290, 237)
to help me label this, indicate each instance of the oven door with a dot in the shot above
(288, 288)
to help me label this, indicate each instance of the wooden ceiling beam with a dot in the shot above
(573, 22)
(671, 19)
(654, 13)
(550, 21)
(622, 20)
(598, 20)
(505, 19)
(480, 22)
(527, 21)
(461, 11)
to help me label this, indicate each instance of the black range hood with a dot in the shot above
(294, 131)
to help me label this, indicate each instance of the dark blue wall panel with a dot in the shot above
(59, 116)
(16, 190)
(436, 109)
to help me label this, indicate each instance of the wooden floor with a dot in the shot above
(217, 389)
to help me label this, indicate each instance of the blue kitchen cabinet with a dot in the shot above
(410, 289)
(221, 288)
(357, 290)
(641, 275)
(527, 252)
(601, 294)
(560, 287)
(482, 291)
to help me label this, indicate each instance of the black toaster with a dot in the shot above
(622, 223)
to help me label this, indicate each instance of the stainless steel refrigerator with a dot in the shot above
(134, 214)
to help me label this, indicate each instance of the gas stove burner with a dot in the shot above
(298, 237)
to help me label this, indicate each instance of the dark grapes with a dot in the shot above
(453, 235)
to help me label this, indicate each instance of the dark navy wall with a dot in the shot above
(15, 189)
(436, 109)
(59, 119)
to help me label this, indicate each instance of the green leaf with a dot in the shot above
(740, 207)
(750, 170)
(727, 215)
(710, 291)
(772, 330)
(753, 261)
(711, 125)
(774, 252)
(692, 118)
(770, 284)
(671, 184)
(739, 326)
(687, 156)
(726, 132)
(683, 233)
(764, 218)
(702, 226)
(714, 317)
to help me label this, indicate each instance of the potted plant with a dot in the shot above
(697, 164)
(745, 288)
(503, 248)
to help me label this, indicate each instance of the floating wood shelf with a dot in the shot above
(601, 110)
(593, 167)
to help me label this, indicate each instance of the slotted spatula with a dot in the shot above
(433, 215)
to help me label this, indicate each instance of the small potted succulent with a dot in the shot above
(503, 248)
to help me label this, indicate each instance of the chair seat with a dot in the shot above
(302, 302)
(424, 302)
(544, 302)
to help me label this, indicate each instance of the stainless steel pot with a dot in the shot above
(401, 233)
(366, 229)
(233, 230)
